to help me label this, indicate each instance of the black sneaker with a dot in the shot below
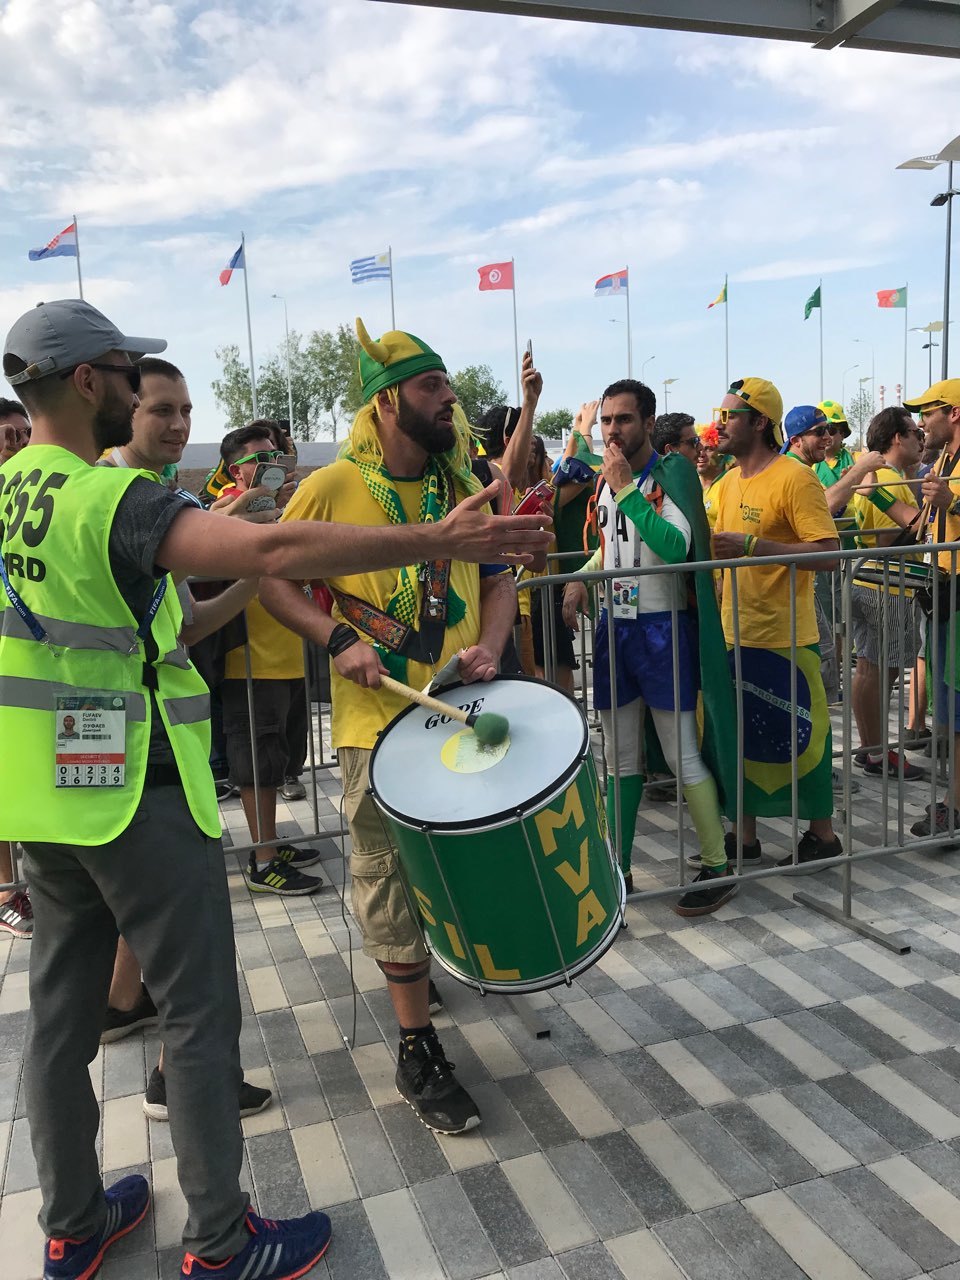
(277, 877)
(436, 999)
(862, 758)
(252, 1099)
(717, 889)
(291, 856)
(811, 848)
(225, 789)
(293, 789)
(938, 824)
(628, 881)
(123, 1022)
(16, 915)
(877, 768)
(425, 1079)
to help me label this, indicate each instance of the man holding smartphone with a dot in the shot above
(279, 696)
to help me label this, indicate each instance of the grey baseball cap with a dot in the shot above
(56, 336)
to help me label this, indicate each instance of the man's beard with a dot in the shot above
(433, 436)
(112, 424)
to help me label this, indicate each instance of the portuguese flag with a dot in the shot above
(892, 297)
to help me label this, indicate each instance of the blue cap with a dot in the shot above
(800, 419)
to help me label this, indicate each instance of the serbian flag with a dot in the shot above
(63, 245)
(236, 263)
(496, 275)
(614, 283)
(892, 297)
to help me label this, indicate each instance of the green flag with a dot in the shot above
(812, 301)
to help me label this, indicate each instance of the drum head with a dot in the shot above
(424, 779)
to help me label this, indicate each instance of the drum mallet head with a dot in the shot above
(491, 729)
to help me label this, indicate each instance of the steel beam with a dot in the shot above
(850, 17)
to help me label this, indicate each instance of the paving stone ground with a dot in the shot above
(756, 1095)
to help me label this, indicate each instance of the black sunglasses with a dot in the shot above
(131, 372)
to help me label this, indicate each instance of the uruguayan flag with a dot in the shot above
(376, 267)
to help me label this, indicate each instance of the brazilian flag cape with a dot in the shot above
(678, 479)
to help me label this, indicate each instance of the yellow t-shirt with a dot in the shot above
(711, 499)
(870, 518)
(276, 652)
(338, 493)
(947, 561)
(784, 503)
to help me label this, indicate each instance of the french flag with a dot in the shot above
(236, 263)
(63, 245)
(614, 283)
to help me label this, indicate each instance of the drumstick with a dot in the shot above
(491, 729)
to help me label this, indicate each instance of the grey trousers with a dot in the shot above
(162, 884)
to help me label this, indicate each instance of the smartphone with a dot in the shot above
(288, 461)
(537, 501)
(530, 348)
(272, 475)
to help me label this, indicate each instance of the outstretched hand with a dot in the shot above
(469, 533)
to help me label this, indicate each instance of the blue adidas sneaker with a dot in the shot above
(127, 1204)
(280, 1250)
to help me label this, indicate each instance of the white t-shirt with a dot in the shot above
(624, 548)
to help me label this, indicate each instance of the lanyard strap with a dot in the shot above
(641, 480)
(38, 632)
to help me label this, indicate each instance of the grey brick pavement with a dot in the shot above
(756, 1095)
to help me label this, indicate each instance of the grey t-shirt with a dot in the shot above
(142, 519)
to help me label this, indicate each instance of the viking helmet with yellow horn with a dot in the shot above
(396, 357)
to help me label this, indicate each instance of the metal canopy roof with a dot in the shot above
(901, 26)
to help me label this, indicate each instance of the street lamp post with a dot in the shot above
(873, 368)
(949, 154)
(286, 352)
(667, 382)
(843, 386)
(861, 382)
(644, 365)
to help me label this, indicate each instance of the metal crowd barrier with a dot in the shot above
(892, 789)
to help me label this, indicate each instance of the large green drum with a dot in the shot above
(504, 850)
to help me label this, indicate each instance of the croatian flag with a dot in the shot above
(615, 283)
(63, 245)
(236, 263)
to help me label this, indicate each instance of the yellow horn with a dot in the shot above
(375, 350)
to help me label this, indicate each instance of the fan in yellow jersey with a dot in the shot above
(771, 507)
(882, 603)
(406, 459)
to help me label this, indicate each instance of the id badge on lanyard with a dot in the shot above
(625, 592)
(91, 739)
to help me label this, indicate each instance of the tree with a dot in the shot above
(324, 381)
(553, 422)
(859, 413)
(477, 390)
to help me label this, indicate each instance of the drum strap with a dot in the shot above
(423, 644)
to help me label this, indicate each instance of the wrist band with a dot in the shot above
(750, 541)
(882, 498)
(954, 508)
(341, 638)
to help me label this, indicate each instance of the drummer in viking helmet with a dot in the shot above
(407, 460)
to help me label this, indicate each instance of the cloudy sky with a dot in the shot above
(328, 131)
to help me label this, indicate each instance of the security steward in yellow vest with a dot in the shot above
(119, 823)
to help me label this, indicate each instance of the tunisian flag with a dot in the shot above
(496, 275)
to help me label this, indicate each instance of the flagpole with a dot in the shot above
(246, 294)
(906, 297)
(76, 237)
(726, 329)
(516, 339)
(629, 342)
(820, 296)
(393, 314)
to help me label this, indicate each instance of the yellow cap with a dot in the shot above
(832, 410)
(763, 396)
(945, 392)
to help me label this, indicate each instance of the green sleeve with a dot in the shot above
(660, 535)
